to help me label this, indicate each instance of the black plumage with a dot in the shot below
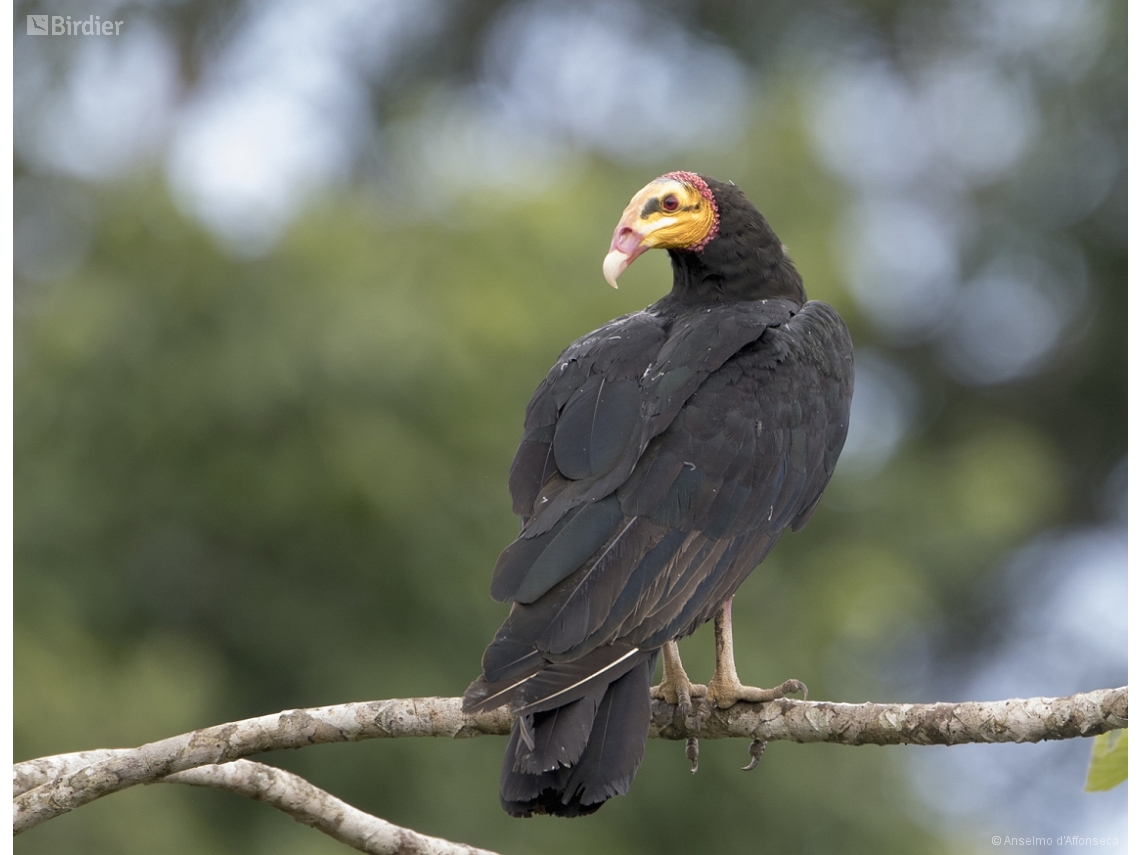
(661, 459)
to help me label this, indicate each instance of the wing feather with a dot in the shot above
(639, 524)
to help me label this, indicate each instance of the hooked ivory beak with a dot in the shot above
(627, 245)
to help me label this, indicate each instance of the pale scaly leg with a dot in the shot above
(725, 688)
(675, 686)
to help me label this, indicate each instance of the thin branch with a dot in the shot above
(32, 773)
(59, 784)
(314, 807)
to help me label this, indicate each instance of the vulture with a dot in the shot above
(661, 459)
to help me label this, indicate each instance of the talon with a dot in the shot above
(703, 712)
(684, 701)
(692, 751)
(755, 751)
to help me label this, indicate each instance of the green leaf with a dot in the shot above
(1109, 764)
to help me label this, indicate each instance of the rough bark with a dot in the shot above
(318, 809)
(50, 786)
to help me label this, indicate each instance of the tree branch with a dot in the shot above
(318, 809)
(51, 786)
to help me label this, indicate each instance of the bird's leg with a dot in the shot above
(675, 686)
(725, 688)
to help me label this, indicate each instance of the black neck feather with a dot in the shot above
(745, 261)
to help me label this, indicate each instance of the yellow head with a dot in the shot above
(675, 211)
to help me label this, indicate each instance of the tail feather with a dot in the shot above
(560, 683)
(524, 793)
(482, 695)
(617, 741)
(558, 737)
(544, 780)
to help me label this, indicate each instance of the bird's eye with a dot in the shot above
(670, 203)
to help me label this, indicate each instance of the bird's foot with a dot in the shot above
(755, 752)
(675, 687)
(693, 752)
(680, 692)
(726, 691)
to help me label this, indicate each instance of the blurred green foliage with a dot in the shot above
(251, 485)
